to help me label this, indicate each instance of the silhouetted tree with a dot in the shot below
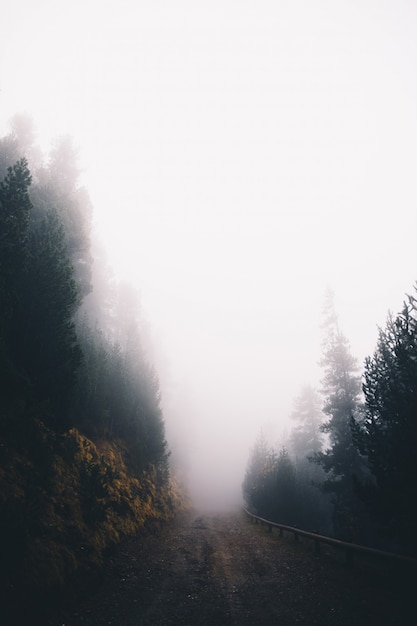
(286, 503)
(260, 464)
(276, 489)
(341, 461)
(117, 392)
(388, 433)
(90, 398)
(18, 144)
(44, 334)
(15, 207)
(58, 189)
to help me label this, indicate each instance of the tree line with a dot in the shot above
(83, 453)
(348, 467)
(66, 356)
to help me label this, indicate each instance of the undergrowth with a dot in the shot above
(65, 499)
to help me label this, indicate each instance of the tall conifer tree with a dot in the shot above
(341, 461)
(388, 433)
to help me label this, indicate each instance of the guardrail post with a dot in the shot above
(296, 538)
(269, 528)
(317, 546)
(281, 532)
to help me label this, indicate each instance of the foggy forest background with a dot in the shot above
(84, 455)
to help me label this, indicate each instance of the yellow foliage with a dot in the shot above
(68, 499)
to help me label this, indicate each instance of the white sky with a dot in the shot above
(241, 156)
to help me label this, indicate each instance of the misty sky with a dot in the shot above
(241, 157)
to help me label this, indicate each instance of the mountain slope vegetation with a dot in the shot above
(83, 453)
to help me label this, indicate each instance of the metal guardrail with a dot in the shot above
(350, 549)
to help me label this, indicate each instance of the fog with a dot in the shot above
(241, 157)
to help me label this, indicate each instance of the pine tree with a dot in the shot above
(15, 206)
(341, 461)
(260, 464)
(286, 504)
(58, 190)
(43, 333)
(388, 433)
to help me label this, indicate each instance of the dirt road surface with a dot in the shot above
(221, 569)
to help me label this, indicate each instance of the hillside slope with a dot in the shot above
(64, 501)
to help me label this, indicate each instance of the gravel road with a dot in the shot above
(220, 569)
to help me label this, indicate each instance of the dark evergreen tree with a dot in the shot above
(156, 445)
(14, 221)
(15, 209)
(341, 461)
(18, 144)
(388, 433)
(276, 489)
(286, 504)
(43, 331)
(260, 467)
(90, 399)
(58, 189)
(306, 441)
(117, 392)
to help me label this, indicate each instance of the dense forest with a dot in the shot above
(83, 454)
(349, 465)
